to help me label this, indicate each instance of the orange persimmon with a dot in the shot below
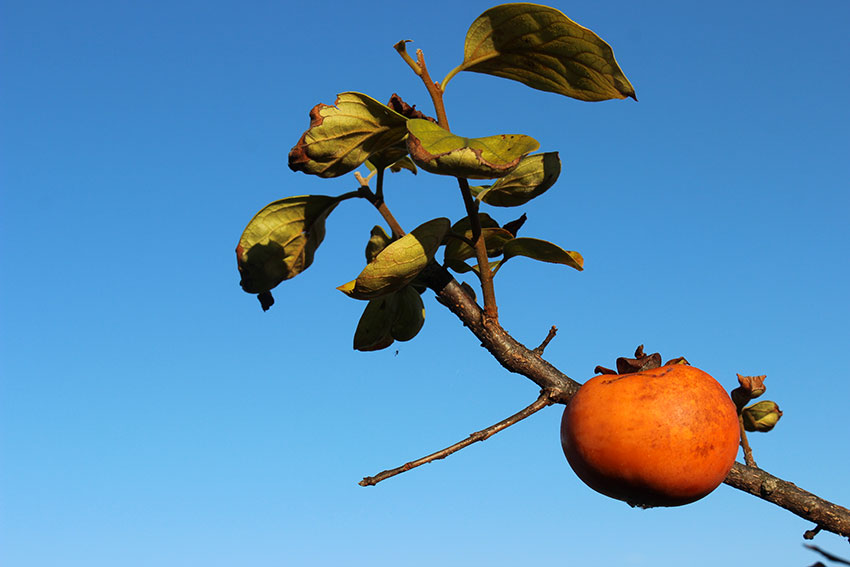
(660, 437)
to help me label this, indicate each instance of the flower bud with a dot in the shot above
(761, 416)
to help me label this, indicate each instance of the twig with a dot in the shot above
(551, 335)
(745, 444)
(827, 555)
(377, 201)
(540, 403)
(421, 71)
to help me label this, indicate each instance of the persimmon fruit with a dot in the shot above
(660, 437)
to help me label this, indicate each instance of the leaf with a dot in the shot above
(378, 240)
(543, 251)
(393, 317)
(531, 178)
(410, 314)
(280, 241)
(399, 263)
(463, 224)
(439, 151)
(516, 224)
(544, 49)
(494, 239)
(404, 163)
(374, 328)
(343, 136)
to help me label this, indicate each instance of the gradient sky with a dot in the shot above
(152, 415)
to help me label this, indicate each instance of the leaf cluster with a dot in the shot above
(535, 45)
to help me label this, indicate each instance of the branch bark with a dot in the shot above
(516, 357)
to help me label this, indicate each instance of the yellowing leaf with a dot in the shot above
(544, 49)
(343, 136)
(439, 151)
(543, 251)
(399, 263)
(532, 177)
(281, 239)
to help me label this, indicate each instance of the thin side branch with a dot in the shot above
(421, 70)
(551, 335)
(377, 201)
(829, 556)
(543, 401)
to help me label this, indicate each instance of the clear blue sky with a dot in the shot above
(152, 415)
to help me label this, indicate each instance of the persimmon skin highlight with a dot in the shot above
(661, 437)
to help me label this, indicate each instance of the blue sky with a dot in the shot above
(152, 414)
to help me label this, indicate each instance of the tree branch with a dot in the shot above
(825, 514)
(543, 401)
(510, 353)
(516, 357)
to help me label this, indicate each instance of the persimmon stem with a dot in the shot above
(745, 444)
(543, 401)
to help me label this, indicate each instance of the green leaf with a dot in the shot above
(543, 251)
(404, 163)
(410, 314)
(439, 151)
(393, 317)
(399, 263)
(484, 219)
(531, 178)
(544, 49)
(374, 330)
(281, 239)
(494, 239)
(379, 239)
(460, 266)
(343, 136)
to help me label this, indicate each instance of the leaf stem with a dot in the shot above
(379, 185)
(543, 401)
(377, 201)
(491, 311)
(451, 74)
